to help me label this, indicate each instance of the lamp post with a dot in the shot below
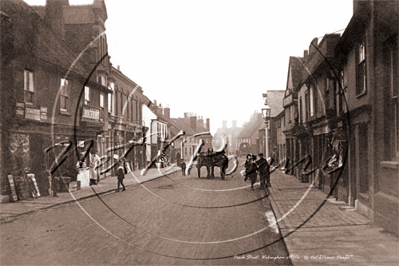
(266, 116)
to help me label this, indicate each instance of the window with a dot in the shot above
(311, 98)
(300, 110)
(102, 80)
(111, 100)
(338, 99)
(394, 79)
(314, 88)
(307, 109)
(64, 95)
(361, 81)
(87, 95)
(102, 100)
(28, 87)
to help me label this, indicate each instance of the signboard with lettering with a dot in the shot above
(19, 111)
(43, 113)
(33, 114)
(91, 113)
(287, 100)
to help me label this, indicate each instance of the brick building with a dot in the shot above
(367, 63)
(48, 96)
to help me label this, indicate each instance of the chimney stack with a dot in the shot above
(208, 125)
(54, 16)
(234, 123)
(166, 112)
(201, 121)
(305, 55)
(193, 123)
(313, 45)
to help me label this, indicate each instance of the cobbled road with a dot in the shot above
(173, 220)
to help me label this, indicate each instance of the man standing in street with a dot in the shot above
(264, 171)
(120, 173)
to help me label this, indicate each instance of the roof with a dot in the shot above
(79, 15)
(182, 125)
(296, 64)
(252, 127)
(46, 46)
(275, 101)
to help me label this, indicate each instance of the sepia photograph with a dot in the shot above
(199, 132)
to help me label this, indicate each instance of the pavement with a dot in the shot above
(11, 210)
(318, 230)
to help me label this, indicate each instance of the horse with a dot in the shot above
(210, 160)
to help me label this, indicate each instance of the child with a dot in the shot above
(183, 168)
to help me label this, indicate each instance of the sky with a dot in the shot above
(214, 58)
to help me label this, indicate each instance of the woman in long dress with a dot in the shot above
(250, 170)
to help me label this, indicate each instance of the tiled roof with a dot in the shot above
(251, 128)
(79, 15)
(184, 124)
(296, 64)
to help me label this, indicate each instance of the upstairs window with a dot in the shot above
(29, 90)
(87, 95)
(64, 95)
(300, 110)
(311, 99)
(102, 80)
(102, 100)
(111, 100)
(361, 77)
(307, 108)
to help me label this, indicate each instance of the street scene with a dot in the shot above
(140, 133)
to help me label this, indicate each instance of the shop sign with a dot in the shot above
(91, 113)
(33, 114)
(19, 111)
(287, 100)
(43, 113)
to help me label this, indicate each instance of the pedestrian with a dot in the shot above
(121, 174)
(264, 171)
(250, 170)
(183, 168)
(94, 173)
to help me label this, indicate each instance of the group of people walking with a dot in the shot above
(253, 167)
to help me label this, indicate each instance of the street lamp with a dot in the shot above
(266, 111)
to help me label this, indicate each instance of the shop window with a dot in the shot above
(87, 95)
(394, 84)
(29, 89)
(64, 95)
(361, 75)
